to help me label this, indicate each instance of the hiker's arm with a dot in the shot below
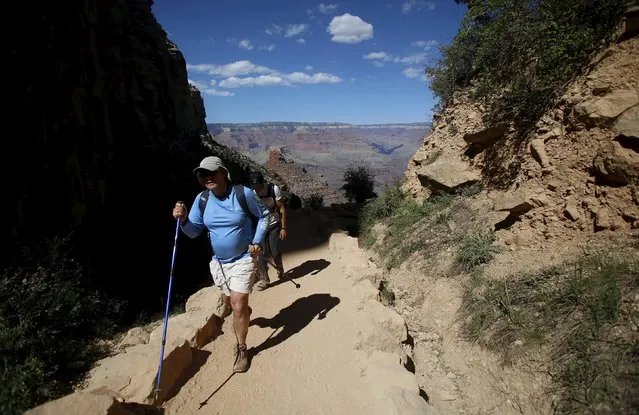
(281, 206)
(194, 223)
(259, 210)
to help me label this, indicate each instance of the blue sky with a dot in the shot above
(358, 62)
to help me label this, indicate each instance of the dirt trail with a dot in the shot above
(304, 341)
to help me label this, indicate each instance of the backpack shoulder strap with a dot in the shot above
(271, 191)
(204, 197)
(241, 198)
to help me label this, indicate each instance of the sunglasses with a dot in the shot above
(203, 174)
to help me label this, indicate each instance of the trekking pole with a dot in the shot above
(287, 277)
(166, 313)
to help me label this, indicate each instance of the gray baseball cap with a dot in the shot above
(212, 163)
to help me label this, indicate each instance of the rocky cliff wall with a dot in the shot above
(105, 133)
(577, 174)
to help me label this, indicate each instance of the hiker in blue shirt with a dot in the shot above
(229, 214)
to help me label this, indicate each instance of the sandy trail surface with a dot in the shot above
(302, 341)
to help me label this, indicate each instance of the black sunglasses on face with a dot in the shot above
(203, 174)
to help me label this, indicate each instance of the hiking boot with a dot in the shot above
(241, 359)
(261, 285)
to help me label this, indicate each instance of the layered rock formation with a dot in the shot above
(578, 172)
(329, 148)
(300, 182)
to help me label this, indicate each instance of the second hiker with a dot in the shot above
(271, 196)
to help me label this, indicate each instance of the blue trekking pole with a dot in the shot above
(166, 313)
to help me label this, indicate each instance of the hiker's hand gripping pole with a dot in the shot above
(179, 211)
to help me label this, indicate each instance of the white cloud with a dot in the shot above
(418, 5)
(381, 56)
(281, 80)
(301, 40)
(218, 93)
(295, 29)
(274, 29)
(327, 8)
(197, 84)
(269, 48)
(245, 44)
(262, 80)
(425, 44)
(204, 88)
(349, 29)
(237, 75)
(316, 78)
(411, 59)
(243, 67)
(413, 73)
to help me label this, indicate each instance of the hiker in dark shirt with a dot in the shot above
(271, 196)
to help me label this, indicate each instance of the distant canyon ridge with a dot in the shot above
(325, 150)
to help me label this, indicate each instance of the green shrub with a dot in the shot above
(359, 184)
(49, 321)
(380, 208)
(582, 313)
(476, 249)
(313, 202)
(521, 53)
(409, 226)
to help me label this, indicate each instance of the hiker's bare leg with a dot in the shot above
(241, 317)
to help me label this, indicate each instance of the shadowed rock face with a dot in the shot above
(106, 132)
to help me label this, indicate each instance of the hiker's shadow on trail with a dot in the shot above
(293, 318)
(309, 267)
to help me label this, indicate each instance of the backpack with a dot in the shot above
(270, 193)
(241, 198)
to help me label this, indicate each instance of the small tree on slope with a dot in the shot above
(358, 184)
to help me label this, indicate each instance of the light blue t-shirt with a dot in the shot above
(230, 229)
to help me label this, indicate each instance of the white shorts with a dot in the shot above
(237, 276)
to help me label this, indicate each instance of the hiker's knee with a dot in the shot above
(239, 302)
